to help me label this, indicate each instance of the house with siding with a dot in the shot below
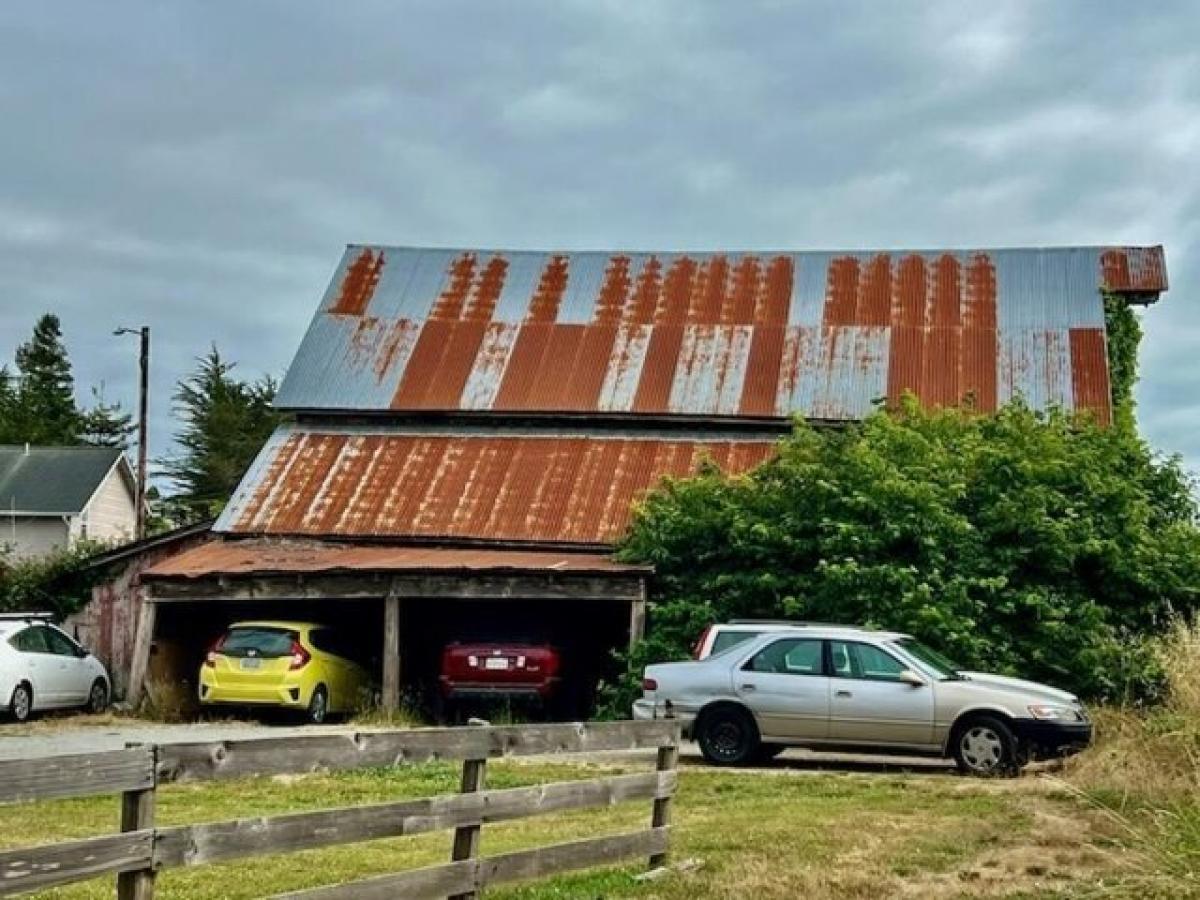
(51, 498)
(470, 430)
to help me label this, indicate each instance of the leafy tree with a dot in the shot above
(225, 423)
(1036, 544)
(1123, 333)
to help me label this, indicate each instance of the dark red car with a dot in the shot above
(487, 670)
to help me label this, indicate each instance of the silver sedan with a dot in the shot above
(856, 689)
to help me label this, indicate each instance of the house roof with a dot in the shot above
(740, 334)
(272, 557)
(52, 480)
(506, 485)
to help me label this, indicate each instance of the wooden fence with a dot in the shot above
(142, 849)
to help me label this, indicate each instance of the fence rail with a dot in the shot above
(141, 849)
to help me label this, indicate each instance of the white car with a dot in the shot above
(720, 636)
(42, 668)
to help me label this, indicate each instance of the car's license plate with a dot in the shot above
(495, 662)
(251, 662)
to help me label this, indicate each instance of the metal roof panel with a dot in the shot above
(507, 484)
(655, 334)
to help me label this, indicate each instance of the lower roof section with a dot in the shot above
(262, 557)
(504, 486)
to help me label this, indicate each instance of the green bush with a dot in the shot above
(1036, 544)
(57, 583)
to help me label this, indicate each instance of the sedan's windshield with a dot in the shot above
(935, 663)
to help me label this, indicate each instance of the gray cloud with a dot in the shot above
(199, 166)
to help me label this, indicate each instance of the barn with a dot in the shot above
(470, 430)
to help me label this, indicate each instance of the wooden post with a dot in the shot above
(466, 837)
(637, 618)
(668, 758)
(137, 813)
(391, 653)
(141, 652)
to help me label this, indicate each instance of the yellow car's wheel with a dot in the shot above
(318, 705)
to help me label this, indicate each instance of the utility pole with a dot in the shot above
(143, 407)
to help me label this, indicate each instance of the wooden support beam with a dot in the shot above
(391, 653)
(142, 642)
(637, 620)
(464, 586)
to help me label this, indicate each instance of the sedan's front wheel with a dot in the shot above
(985, 746)
(727, 737)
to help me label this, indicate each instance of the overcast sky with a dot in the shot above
(198, 167)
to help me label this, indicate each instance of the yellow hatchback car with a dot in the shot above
(291, 665)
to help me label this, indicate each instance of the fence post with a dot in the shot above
(137, 813)
(466, 837)
(668, 758)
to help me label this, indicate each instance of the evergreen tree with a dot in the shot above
(225, 423)
(105, 424)
(37, 403)
(8, 407)
(45, 411)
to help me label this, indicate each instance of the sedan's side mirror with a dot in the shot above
(911, 678)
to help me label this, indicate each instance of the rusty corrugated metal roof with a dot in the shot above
(826, 335)
(273, 556)
(419, 483)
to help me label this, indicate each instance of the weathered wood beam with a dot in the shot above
(368, 587)
(33, 868)
(142, 642)
(336, 752)
(76, 775)
(391, 653)
(474, 874)
(213, 842)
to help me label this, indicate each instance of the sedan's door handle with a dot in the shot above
(749, 687)
(843, 694)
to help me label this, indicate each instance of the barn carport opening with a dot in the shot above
(580, 635)
(402, 605)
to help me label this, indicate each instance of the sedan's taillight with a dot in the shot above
(649, 684)
(300, 656)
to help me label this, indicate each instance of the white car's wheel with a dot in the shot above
(21, 703)
(98, 697)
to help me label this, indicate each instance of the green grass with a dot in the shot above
(777, 833)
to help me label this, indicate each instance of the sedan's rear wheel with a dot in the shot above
(21, 704)
(727, 737)
(985, 746)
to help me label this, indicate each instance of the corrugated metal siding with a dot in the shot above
(257, 557)
(713, 334)
(518, 486)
